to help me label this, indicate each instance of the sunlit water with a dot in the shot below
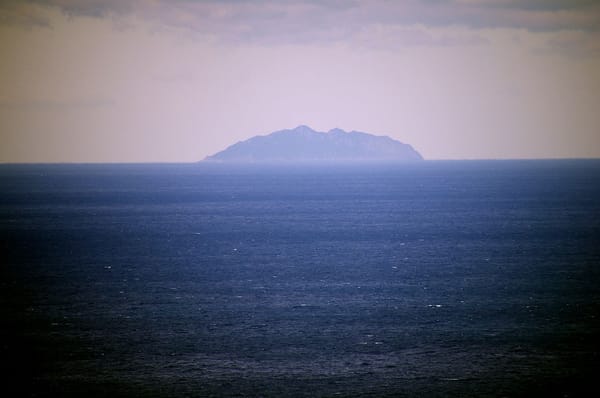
(431, 279)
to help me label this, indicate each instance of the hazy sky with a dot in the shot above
(158, 80)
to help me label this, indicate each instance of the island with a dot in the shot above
(303, 144)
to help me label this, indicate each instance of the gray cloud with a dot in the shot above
(12, 12)
(91, 8)
(536, 5)
(308, 21)
(572, 44)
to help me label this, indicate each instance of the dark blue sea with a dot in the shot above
(435, 279)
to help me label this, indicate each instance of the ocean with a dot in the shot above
(429, 279)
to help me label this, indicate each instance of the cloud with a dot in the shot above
(539, 5)
(571, 44)
(22, 14)
(325, 21)
(91, 8)
(396, 37)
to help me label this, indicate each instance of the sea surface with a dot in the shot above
(436, 279)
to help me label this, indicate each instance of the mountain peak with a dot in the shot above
(304, 128)
(303, 144)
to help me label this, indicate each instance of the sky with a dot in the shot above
(175, 81)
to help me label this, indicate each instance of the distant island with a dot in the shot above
(303, 144)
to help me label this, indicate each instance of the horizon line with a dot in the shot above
(203, 161)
